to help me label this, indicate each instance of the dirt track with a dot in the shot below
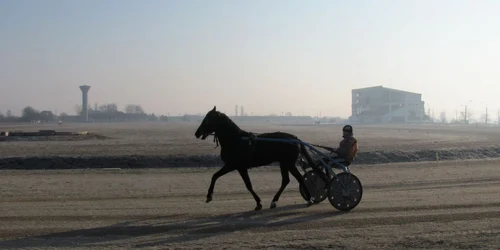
(450, 206)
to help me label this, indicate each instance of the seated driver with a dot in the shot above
(348, 147)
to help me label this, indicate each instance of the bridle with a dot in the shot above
(216, 140)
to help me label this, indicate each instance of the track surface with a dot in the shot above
(450, 206)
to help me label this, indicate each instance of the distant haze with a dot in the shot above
(302, 57)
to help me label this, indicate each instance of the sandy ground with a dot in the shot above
(167, 145)
(160, 139)
(455, 205)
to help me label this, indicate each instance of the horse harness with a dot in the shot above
(252, 142)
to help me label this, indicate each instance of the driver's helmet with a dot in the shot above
(347, 128)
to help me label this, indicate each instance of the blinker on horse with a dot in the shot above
(241, 155)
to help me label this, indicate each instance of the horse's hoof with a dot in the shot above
(258, 207)
(209, 199)
(273, 205)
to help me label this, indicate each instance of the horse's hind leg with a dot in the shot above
(224, 170)
(285, 179)
(248, 184)
(295, 172)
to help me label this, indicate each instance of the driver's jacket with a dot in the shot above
(348, 148)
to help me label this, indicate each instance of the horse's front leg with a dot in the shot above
(224, 170)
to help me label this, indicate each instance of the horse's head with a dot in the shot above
(209, 124)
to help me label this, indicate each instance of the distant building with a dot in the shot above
(385, 105)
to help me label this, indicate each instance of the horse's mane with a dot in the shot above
(230, 123)
(231, 126)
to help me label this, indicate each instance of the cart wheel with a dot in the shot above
(345, 191)
(316, 186)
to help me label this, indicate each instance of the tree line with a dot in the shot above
(28, 114)
(102, 112)
(111, 108)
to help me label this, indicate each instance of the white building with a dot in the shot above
(384, 105)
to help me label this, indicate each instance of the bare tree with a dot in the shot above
(134, 109)
(78, 109)
(29, 113)
(139, 109)
(46, 116)
(130, 109)
(108, 108)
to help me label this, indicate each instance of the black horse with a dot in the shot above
(240, 154)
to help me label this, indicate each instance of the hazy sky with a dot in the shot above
(269, 56)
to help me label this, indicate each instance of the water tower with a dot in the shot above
(85, 102)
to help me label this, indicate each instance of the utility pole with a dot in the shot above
(486, 117)
(465, 115)
(390, 104)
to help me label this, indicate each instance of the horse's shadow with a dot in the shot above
(173, 231)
